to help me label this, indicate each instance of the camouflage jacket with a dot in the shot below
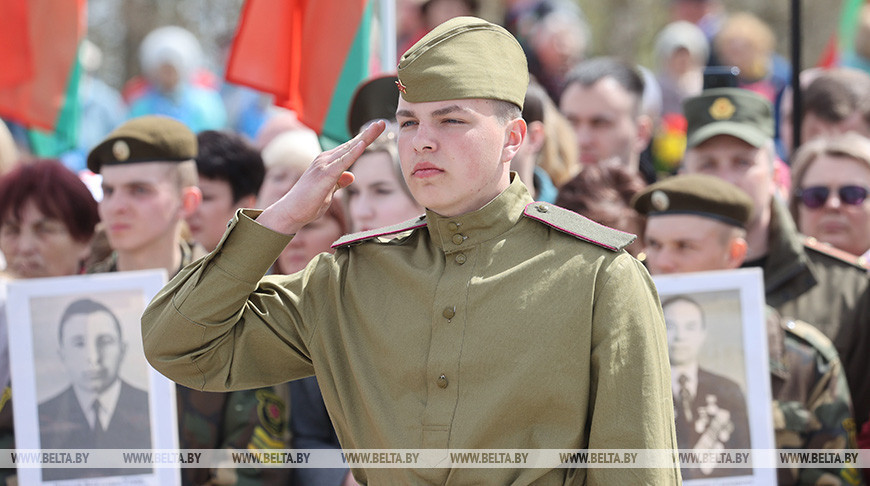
(811, 404)
(809, 281)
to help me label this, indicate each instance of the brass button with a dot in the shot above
(458, 239)
(461, 258)
(442, 381)
(449, 312)
(542, 208)
(453, 226)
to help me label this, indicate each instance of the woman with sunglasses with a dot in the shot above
(831, 181)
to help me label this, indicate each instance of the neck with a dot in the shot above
(757, 236)
(162, 254)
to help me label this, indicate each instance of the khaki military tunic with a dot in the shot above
(805, 281)
(493, 329)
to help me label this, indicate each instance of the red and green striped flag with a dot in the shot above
(39, 42)
(310, 54)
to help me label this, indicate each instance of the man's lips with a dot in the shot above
(425, 169)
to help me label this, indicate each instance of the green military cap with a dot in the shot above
(695, 194)
(149, 138)
(465, 57)
(373, 99)
(728, 111)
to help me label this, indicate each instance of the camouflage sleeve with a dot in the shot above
(822, 418)
(7, 433)
(248, 419)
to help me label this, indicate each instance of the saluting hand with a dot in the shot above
(310, 197)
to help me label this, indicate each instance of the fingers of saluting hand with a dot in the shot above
(346, 154)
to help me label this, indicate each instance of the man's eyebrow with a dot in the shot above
(439, 112)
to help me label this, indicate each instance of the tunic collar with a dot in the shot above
(471, 229)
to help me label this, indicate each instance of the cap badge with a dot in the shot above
(401, 86)
(659, 200)
(121, 151)
(722, 109)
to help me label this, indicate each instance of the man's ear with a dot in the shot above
(515, 133)
(736, 252)
(191, 198)
(644, 132)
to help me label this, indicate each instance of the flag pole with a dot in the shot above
(388, 35)
(797, 109)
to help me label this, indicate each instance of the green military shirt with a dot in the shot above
(803, 281)
(486, 330)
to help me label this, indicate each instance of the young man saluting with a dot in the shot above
(491, 323)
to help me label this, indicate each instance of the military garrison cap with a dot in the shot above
(728, 111)
(695, 194)
(149, 138)
(465, 57)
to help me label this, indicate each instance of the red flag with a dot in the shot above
(296, 50)
(46, 35)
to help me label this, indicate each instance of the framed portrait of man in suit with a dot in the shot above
(717, 347)
(81, 387)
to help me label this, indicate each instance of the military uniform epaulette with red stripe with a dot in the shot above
(578, 226)
(836, 253)
(395, 229)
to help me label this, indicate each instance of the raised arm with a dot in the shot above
(219, 325)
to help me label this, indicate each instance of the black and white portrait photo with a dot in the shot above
(716, 335)
(79, 371)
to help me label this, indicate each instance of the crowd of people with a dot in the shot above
(329, 253)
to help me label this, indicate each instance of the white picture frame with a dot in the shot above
(42, 382)
(734, 353)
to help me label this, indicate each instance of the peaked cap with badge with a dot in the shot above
(149, 138)
(698, 195)
(728, 111)
(457, 60)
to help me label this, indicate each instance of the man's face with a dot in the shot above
(455, 154)
(209, 221)
(141, 205)
(678, 243)
(604, 121)
(686, 332)
(737, 162)
(92, 350)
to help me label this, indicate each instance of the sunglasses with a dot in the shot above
(816, 196)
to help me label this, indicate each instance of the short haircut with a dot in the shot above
(56, 191)
(685, 298)
(591, 71)
(837, 94)
(185, 173)
(506, 111)
(228, 157)
(85, 307)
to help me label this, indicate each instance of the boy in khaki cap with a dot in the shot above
(492, 322)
